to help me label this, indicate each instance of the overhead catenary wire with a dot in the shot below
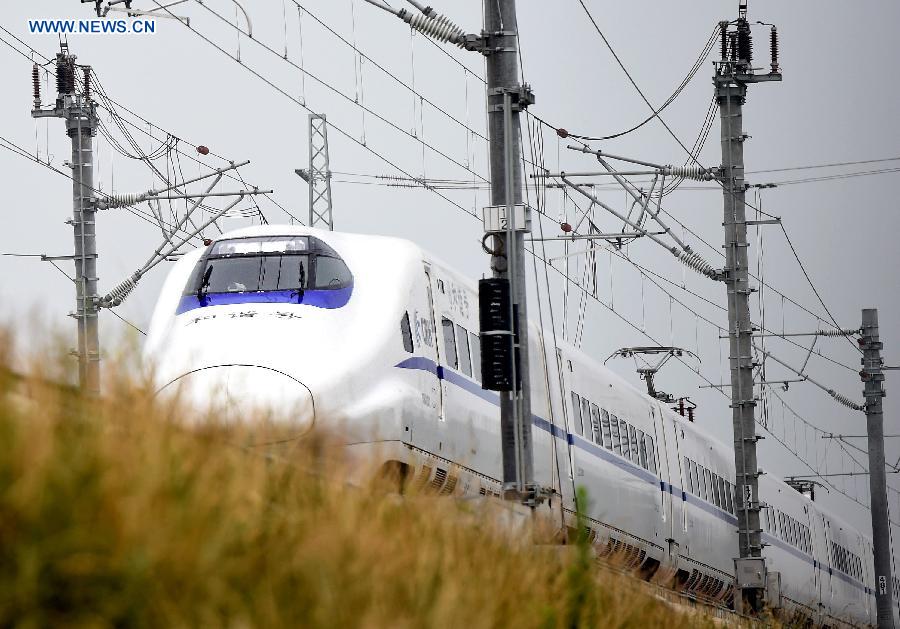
(704, 54)
(643, 96)
(338, 92)
(14, 148)
(135, 126)
(796, 453)
(367, 147)
(390, 74)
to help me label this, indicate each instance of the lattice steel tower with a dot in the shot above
(318, 176)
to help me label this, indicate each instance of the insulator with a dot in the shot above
(440, 28)
(723, 26)
(87, 83)
(36, 85)
(843, 399)
(836, 332)
(695, 262)
(744, 42)
(65, 75)
(120, 200)
(697, 173)
(120, 293)
(773, 45)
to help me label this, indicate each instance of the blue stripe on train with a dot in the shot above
(426, 364)
(320, 298)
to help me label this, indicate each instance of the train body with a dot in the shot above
(374, 337)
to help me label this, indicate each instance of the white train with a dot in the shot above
(374, 337)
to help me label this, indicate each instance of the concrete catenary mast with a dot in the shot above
(506, 98)
(502, 312)
(872, 376)
(80, 115)
(733, 74)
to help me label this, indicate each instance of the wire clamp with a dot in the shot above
(522, 96)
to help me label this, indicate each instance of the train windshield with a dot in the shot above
(266, 264)
(255, 273)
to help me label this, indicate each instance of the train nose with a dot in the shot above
(260, 397)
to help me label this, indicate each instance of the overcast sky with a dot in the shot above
(837, 103)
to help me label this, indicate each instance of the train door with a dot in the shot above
(573, 409)
(426, 430)
(811, 523)
(825, 573)
(676, 482)
(671, 517)
(564, 424)
(438, 383)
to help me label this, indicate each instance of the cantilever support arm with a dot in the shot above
(618, 215)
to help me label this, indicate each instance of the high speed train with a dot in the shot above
(374, 337)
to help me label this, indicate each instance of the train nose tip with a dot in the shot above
(261, 397)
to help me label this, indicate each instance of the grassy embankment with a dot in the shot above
(111, 514)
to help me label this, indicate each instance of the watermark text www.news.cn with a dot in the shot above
(63, 27)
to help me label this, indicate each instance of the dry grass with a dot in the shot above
(111, 514)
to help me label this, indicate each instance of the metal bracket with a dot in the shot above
(521, 96)
(485, 43)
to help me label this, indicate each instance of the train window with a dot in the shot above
(246, 274)
(475, 344)
(462, 343)
(717, 493)
(614, 428)
(688, 479)
(651, 453)
(331, 273)
(729, 498)
(269, 272)
(604, 429)
(707, 485)
(406, 333)
(576, 412)
(261, 245)
(450, 357)
(586, 418)
(595, 424)
(642, 448)
(632, 445)
(636, 438)
(623, 435)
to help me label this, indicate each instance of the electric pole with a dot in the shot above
(872, 377)
(733, 74)
(506, 98)
(319, 174)
(79, 112)
(503, 317)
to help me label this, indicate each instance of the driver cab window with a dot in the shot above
(268, 263)
(331, 272)
(255, 273)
